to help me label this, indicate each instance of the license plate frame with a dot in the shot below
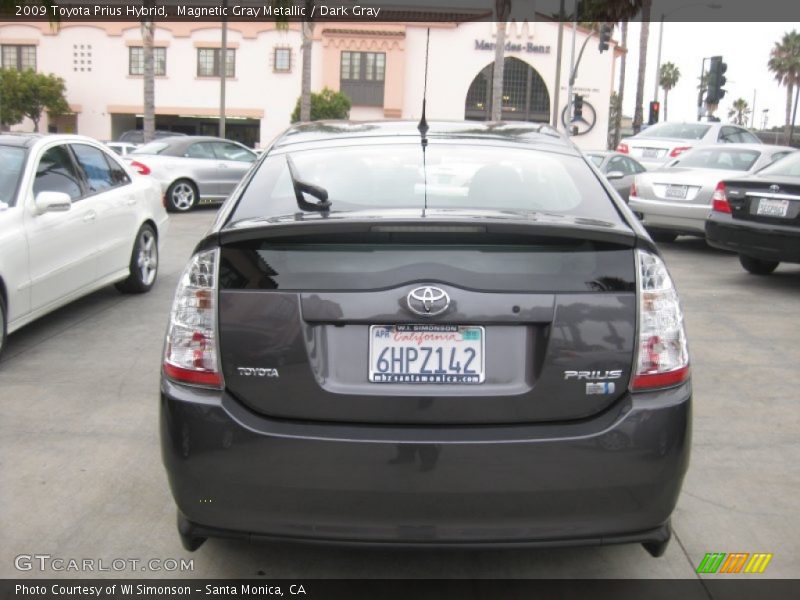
(651, 153)
(427, 367)
(676, 192)
(772, 207)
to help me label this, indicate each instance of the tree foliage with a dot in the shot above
(784, 62)
(327, 104)
(739, 112)
(28, 94)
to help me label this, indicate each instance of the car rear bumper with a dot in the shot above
(613, 478)
(678, 217)
(750, 238)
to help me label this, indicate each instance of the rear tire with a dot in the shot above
(756, 266)
(182, 196)
(663, 237)
(144, 263)
(2, 325)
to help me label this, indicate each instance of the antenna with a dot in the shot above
(423, 124)
(423, 127)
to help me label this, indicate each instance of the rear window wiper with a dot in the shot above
(301, 187)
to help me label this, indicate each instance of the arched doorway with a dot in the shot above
(525, 95)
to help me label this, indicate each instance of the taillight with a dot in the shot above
(679, 150)
(662, 356)
(634, 191)
(719, 201)
(141, 168)
(623, 148)
(190, 353)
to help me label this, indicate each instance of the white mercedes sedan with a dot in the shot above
(73, 219)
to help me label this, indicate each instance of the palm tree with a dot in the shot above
(621, 90)
(502, 9)
(739, 111)
(784, 62)
(638, 115)
(667, 79)
(149, 119)
(305, 86)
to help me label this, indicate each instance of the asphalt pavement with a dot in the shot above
(81, 474)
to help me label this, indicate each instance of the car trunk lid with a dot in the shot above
(307, 309)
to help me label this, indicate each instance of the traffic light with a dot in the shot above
(716, 79)
(577, 107)
(655, 109)
(605, 37)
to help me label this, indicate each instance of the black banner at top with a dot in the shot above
(376, 11)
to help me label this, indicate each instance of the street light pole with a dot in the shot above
(711, 5)
(658, 58)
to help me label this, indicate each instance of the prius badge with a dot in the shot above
(428, 301)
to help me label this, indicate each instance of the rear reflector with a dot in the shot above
(190, 352)
(662, 356)
(141, 168)
(623, 148)
(719, 201)
(634, 191)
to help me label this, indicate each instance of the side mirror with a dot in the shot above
(614, 175)
(52, 202)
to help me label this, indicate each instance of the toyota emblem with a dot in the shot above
(428, 301)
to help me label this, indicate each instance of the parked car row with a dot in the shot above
(712, 180)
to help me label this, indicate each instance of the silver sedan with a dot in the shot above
(662, 142)
(193, 169)
(676, 200)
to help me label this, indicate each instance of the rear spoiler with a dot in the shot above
(436, 228)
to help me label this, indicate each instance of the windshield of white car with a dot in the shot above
(151, 148)
(788, 166)
(11, 161)
(683, 131)
(728, 159)
(455, 176)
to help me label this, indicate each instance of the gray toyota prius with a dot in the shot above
(444, 334)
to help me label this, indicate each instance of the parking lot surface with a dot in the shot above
(81, 474)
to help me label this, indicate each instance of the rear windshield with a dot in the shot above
(686, 131)
(788, 166)
(11, 159)
(454, 176)
(728, 159)
(569, 266)
(151, 148)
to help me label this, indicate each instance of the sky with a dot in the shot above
(745, 47)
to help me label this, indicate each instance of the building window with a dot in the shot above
(19, 57)
(282, 60)
(209, 61)
(136, 61)
(362, 77)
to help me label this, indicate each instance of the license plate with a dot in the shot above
(768, 207)
(677, 191)
(650, 153)
(426, 354)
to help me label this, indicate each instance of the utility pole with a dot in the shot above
(558, 63)
(568, 118)
(223, 70)
(753, 111)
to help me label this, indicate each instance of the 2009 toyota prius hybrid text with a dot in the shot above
(458, 335)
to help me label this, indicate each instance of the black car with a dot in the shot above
(758, 217)
(448, 336)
